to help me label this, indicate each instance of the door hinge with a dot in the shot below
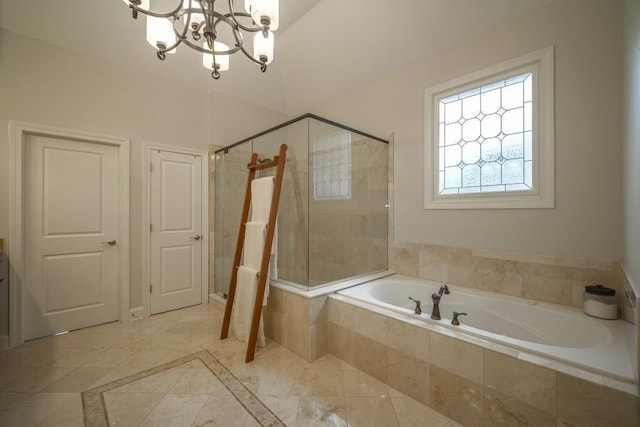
(150, 228)
(150, 167)
(150, 289)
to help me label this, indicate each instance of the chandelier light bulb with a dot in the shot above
(221, 60)
(195, 17)
(263, 47)
(160, 32)
(264, 8)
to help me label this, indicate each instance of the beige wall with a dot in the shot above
(44, 84)
(587, 220)
(631, 138)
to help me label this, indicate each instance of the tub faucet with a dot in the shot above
(418, 310)
(435, 314)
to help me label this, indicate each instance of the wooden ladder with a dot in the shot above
(278, 162)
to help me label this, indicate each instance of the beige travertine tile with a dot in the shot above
(12, 399)
(370, 356)
(457, 357)
(35, 409)
(504, 277)
(37, 380)
(284, 407)
(370, 324)
(547, 283)
(322, 382)
(68, 415)
(408, 338)
(587, 404)
(411, 413)
(340, 342)
(463, 268)
(222, 410)
(524, 381)
(408, 374)
(341, 313)
(197, 381)
(77, 380)
(176, 409)
(129, 409)
(456, 397)
(501, 409)
(321, 411)
(403, 260)
(433, 264)
(109, 358)
(369, 411)
(295, 337)
(145, 359)
(359, 384)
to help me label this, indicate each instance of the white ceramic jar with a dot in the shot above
(600, 301)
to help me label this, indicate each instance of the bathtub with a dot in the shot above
(551, 331)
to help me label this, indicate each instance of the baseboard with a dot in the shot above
(217, 299)
(136, 313)
(4, 342)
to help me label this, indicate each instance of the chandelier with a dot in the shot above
(199, 25)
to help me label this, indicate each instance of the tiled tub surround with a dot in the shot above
(548, 278)
(560, 333)
(473, 381)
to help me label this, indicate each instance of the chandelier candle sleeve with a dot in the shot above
(216, 29)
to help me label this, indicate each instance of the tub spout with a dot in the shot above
(443, 289)
(418, 310)
(435, 314)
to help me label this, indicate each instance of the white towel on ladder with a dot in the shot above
(246, 288)
(261, 192)
(254, 243)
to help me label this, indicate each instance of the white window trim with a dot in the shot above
(543, 193)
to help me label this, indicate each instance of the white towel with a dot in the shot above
(246, 288)
(254, 243)
(261, 192)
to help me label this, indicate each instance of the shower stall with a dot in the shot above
(333, 213)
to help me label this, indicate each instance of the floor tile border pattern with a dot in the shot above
(95, 409)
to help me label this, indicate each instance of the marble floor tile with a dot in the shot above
(172, 369)
(371, 411)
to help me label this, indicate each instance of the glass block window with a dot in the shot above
(332, 167)
(485, 138)
(489, 137)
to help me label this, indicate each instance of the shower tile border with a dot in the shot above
(95, 410)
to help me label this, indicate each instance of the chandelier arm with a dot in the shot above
(233, 16)
(157, 14)
(212, 51)
(263, 66)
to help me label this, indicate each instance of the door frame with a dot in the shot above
(147, 147)
(18, 137)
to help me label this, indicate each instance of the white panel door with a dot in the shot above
(72, 234)
(176, 231)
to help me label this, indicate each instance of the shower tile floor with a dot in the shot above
(172, 370)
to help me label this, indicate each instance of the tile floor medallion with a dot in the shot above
(115, 401)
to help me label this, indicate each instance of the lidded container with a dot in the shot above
(600, 301)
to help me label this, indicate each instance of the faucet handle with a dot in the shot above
(418, 310)
(455, 320)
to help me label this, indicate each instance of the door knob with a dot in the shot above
(196, 237)
(110, 242)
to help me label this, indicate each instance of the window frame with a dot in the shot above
(348, 149)
(542, 195)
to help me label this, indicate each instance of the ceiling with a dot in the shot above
(324, 48)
